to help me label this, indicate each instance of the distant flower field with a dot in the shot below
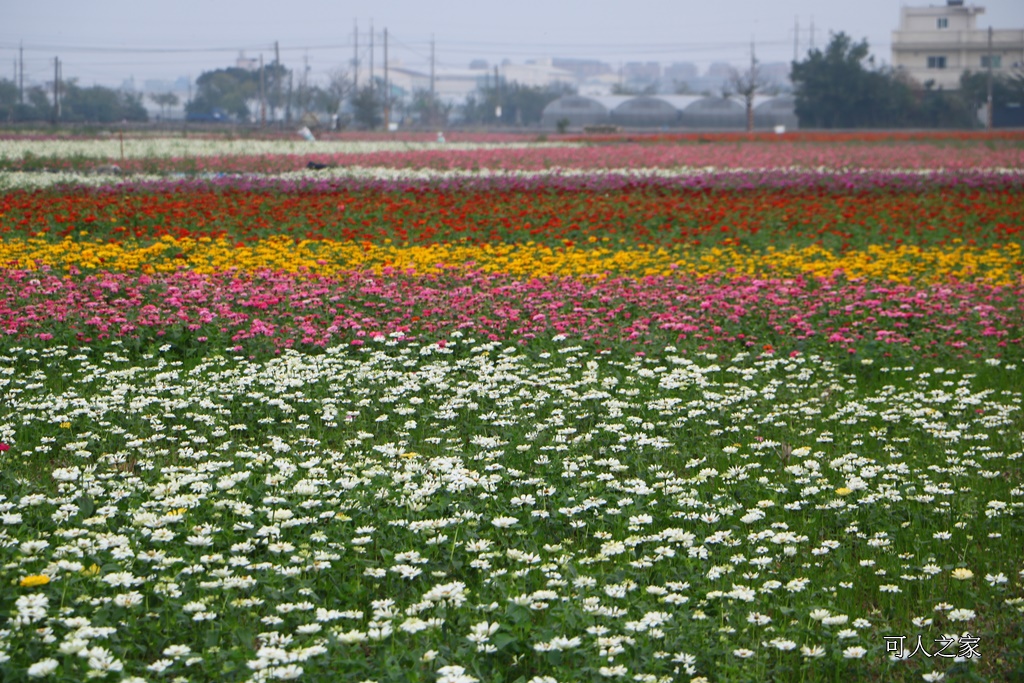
(622, 409)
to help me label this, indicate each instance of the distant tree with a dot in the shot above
(1006, 88)
(746, 85)
(229, 89)
(8, 99)
(367, 107)
(938, 108)
(338, 89)
(165, 101)
(838, 87)
(37, 106)
(429, 110)
(830, 84)
(99, 104)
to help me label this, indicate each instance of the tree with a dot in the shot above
(428, 109)
(165, 101)
(367, 107)
(38, 107)
(831, 85)
(99, 104)
(840, 87)
(748, 84)
(228, 89)
(338, 89)
(1006, 89)
(8, 99)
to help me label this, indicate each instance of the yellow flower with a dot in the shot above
(65, 425)
(843, 491)
(34, 580)
(409, 454)
(343, 517)
(176, 513)
(962, 574)
(94, 570)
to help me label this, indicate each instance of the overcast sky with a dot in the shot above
(107, 41)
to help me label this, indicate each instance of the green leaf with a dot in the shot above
(86, 506)
(503, 640)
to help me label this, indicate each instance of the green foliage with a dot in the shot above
(428, 109)
(229, 89)
(95, 104)
(368, 107)
(1006, 89)
(840, 88)
(8, 99)
(100, 105)
(164, 100)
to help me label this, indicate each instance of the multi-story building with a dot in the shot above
(938, 43)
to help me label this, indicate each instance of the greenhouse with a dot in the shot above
(652, 111)
(696, 112)
(770, 112)
(581, 111)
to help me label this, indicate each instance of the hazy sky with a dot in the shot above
(107, 41)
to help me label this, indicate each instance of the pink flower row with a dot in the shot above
(751, 155)
(284, 310)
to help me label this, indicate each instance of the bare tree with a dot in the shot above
(340, 86)
(746, 85)
(165, 101)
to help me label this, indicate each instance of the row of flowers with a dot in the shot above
(279, 310)
(906, 264)
(644, 211)
(189, 155)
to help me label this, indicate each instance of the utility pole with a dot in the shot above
(56, 90)
(372, 85)
(387, 98)
(752, 86)
(433, 108)
(497, 94)
(796, 38)
(302, 99)
(988, 121)
(288, 106)
(263, 96)
(277, 82)
(355, 56)
(21, 74)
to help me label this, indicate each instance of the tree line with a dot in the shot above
(838, 86)
(94, 104)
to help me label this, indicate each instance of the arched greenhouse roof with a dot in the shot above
(580, 110)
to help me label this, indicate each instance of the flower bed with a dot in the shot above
(455, 425)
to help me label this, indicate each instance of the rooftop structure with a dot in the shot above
(939, 42)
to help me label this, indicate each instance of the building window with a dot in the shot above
(937, 62)
(997, 61)
(942, 22)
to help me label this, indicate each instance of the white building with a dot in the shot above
(938, 43)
